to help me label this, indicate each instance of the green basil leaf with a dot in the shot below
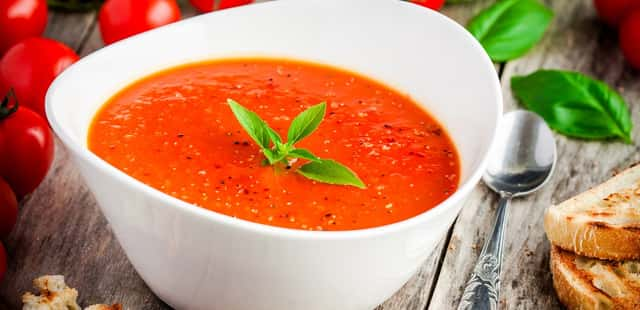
(332, 172)
(257, 129)
(305, 123)
(282, 148)
(574, 104)
(280, 157)
(509, 28)
(275, 137)
(326, 171)
(270, 155)
(304, 154)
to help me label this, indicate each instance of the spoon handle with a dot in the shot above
(483, 288)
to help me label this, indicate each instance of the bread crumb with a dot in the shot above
(56, 295)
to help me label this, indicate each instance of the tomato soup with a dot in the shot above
(175, 132)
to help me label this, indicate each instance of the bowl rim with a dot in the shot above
(84, 154)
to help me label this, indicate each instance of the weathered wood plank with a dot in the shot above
(70, 28)
(415, 293)
(576, 41)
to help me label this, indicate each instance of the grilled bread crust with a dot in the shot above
(603, 222)
(587, 283)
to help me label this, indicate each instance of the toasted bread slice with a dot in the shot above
(588, 283)
(603, 222)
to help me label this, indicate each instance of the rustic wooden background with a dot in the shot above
(61, 231)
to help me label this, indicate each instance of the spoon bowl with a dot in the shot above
(524, 156)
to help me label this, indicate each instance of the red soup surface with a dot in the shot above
(175, 132)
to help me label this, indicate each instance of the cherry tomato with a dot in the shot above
(30, 66)
(27, 147)
(213, 5)
(120, 19)
(613, 11)
(8, 209)
(21, 19)
(3, 261)
(630, 38)
(432, 4)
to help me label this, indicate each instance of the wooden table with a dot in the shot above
(61, 231)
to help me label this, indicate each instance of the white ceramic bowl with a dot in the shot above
(196, 259)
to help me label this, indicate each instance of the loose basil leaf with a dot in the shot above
(304, 154)
(305, 123)
(332, 172)
(257, 129)
(574, 104)
(509, 28)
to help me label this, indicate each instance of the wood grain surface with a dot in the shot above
(61, 231)
(575, 41)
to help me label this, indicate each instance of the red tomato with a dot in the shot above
(8, 209)
(630, 38)
(120, 19)
(432, 4)
(21, 19)
(3, 261)
(27, 147)
(613, 11)
(30, 66)
(213, 5)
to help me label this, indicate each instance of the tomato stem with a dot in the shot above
(6, 108)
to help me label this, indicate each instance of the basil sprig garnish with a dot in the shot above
(278, 152)
(509, 28)
(574, 104)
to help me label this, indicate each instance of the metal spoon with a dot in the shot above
(521, 163)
